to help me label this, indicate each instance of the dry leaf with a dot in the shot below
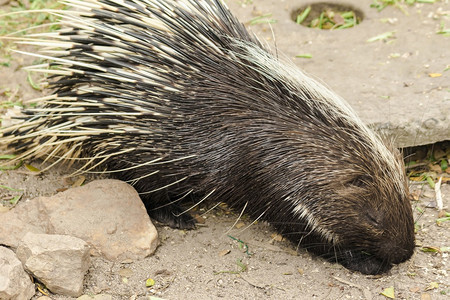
(80, 180)
(31, 168)
(149, 282)
(430, 249)
(432, 286)
(442, 213)
(389, 292)
(434, 75)
(276, 237)
(240, 225)
(199, 219)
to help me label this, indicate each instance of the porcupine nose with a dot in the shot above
(399, 253)
(399, 248)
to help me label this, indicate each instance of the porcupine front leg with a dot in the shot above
(158, 203)
(160, 208)
(173, 217)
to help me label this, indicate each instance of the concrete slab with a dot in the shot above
(387, 83)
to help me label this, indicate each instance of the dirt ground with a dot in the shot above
(210, 263)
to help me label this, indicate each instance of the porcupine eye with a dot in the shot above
(361, 182)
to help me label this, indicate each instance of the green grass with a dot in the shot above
(329, 19)
(382, 4)
(23, 14)
(18, 17)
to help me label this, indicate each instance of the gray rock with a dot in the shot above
(386, 82)
(15, 283)
(58, 261)
(107, 214)
(16, 222)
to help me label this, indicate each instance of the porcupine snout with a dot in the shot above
(390, 239)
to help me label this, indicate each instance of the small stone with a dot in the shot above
(15, 283)
(58, 261)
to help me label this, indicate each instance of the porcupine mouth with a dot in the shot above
(362, 262)
(352, 258)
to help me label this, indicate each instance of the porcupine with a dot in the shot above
(180, 100)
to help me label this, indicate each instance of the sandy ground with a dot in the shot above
(209, 263)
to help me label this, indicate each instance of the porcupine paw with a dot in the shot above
(174, 217)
